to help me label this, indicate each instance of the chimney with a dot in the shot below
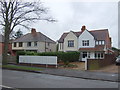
(33, 31)
(83, 28)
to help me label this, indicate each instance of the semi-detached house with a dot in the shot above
(34, 41)
(92, 44)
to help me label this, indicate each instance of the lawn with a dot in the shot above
(21, 67)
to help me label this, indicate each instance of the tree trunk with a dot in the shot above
(6, 44)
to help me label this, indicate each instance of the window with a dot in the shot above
(15, 44)
(48, 44)
(35, 43)
(71, 43)
(85, 42)
(29, 44)
(20, 44)
(99, 55)
(103, 42)
(96, 42)
(100, 42)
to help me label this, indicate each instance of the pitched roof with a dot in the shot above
(1, 38)
(98, 34)
(32, 38)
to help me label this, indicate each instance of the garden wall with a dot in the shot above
(94, 64)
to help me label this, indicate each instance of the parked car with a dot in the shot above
(118, 60)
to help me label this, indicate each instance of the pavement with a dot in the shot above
(113, 77)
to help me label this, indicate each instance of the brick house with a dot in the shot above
(92, 44)
(34, 41)
(2, 46)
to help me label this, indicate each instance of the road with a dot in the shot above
(19, 79)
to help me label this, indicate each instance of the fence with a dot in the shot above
(11, 59)
(44, 60)
(93, 64)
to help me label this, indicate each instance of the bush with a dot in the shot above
(30, 53)
(19, 53)
(62, 56)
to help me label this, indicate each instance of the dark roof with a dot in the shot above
(98, 34)
(96, 48)
(1, 38)
(32, 38)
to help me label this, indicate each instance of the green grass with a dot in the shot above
(21, 67)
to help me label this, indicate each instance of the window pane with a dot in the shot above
(71, 43)
(20, 44)
(103, 42)
(15, 44)
(100, 42)
(29, 44)
(96, 42)
(101, 55)
(35, 43)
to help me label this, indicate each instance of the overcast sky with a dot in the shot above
(71, 15)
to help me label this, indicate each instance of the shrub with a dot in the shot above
(19, 53)
(30, 53)
(66, 57)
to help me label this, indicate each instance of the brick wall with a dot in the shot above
(1, 49)
(94, 64)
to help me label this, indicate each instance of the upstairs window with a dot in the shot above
(20, 44)
(15, 44)
(71, 43)
(35, 43)
(100, 42)
(48, 44)
(29, 44)
(85, 42)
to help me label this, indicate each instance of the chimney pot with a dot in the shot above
(83, 28)
(33, 30)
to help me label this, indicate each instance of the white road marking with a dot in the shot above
(5, 86)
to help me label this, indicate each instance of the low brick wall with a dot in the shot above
(94, 64)
(37, 65)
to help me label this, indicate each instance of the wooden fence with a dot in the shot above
(94, 64)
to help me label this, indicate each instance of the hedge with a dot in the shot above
(62, 56)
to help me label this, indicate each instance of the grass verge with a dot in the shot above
(21, 67)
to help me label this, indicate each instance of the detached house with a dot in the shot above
(34, 41)
(92, 44)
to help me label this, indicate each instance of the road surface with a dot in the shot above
(20, 79)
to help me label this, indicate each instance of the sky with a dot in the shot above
(72, 14)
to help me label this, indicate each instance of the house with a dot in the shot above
(92, 44)
(2, 46)
(34, 41)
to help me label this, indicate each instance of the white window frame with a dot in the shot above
(85, 42)
(99, 53)
(70, 43)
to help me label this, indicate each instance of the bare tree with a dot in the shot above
(15, 13)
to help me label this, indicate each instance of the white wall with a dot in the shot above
(60, 47)
(71, 36)
(50, 60)
(86, 36)
(40, 47)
